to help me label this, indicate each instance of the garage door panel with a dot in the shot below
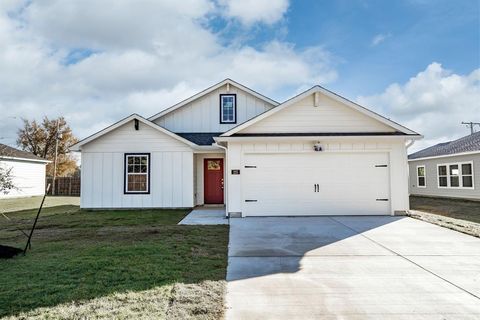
(348, 184)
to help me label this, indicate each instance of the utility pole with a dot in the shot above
(57, 134)
(471, 125)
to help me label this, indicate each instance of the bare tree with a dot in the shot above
(48, 139)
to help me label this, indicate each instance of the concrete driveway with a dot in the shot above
(351, 268)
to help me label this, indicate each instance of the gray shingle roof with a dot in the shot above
(465, 144)
(200, 138)
(7, 151)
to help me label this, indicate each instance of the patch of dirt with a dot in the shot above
(148, 304)
(453, 208)
(203, 300)
(464, 226)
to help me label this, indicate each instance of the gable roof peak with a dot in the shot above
(133, 116)
(332, 95)
(209, 90)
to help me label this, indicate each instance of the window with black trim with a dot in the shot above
(137, 173)
(228, 108)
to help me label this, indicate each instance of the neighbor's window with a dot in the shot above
(421, 176)
(228, 105)
(137, 173)
(467, 175)
(455, 175)
(442, 176)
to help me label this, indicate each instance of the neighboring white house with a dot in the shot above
(449, 169)
(314, 154)
(28, 172)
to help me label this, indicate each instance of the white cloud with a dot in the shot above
(133, 58)
(433, 103)
(379, 38)
(117, 24)
(252, 11)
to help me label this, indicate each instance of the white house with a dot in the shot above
(314, 154)
(448, 169)
(27, 170)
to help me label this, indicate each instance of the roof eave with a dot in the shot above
(466, 153)
(25, 159)
(78, 145)
(316, 137)
(330, 94)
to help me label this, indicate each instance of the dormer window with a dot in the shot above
(228, 108)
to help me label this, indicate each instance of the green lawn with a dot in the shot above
(113, 264)
(8, 205)
(453, 208)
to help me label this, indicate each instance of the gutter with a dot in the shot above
(313, 137)
(25, 159)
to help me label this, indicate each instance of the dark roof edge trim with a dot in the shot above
(316, 134)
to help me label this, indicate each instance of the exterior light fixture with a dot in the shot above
(317, 146)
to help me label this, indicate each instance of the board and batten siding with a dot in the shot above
(398, 168)
(203, 114)
(328, 116)
(28, 178)
(171, 170)
(432, 189)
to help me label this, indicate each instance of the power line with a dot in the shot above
(471, 125)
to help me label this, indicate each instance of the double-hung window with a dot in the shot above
(467, 175)
(137, 173)
(228, 108)
(455, 175)
(421, 183)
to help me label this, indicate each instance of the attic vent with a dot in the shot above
(136, 124)
(316, 98)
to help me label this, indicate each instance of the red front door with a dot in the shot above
(213, 181)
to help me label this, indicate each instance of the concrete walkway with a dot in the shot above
(351, 268)
(205, 216)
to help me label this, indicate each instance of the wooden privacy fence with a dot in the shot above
(65, 186)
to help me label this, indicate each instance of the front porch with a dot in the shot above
(206, 215)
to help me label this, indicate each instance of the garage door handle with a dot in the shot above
(249, 200)
(382, 199)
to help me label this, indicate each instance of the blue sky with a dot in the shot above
(416, 33)
(95, 62)
(410, 35)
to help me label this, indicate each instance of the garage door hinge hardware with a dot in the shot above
(381, 166)
(382, 199)
(250, 200)
(250, 166)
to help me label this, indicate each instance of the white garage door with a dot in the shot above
(316, 184)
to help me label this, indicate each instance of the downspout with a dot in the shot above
(409, 144)
(225, 184)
